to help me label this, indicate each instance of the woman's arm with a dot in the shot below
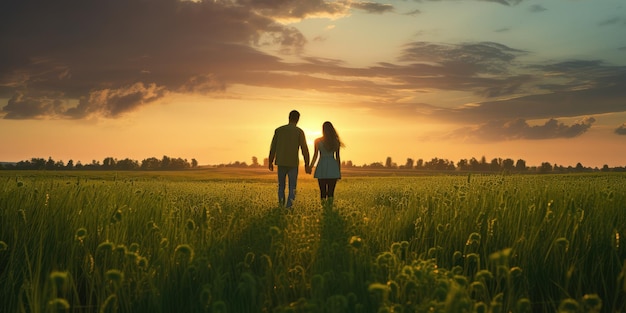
(315, 153)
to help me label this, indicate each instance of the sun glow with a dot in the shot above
(311, 135)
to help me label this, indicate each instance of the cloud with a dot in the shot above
(115, 102)
(105, 102)
(109, 58)
(413, 12)
(621, 130)
(372, 7)
(483, 57)
(295, 8)
(73, 51)
(510, 90)
(611, 21)
(519, 129)
(558, 104)
(536, 8)
(505, 2)
(24, 106)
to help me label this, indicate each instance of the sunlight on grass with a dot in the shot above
(215, 241)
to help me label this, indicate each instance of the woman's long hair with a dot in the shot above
(330, 138)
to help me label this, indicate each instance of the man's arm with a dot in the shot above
(272, 155)
(305, 151)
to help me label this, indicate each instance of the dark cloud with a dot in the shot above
(611, 21)
(115, 102)
(536, 8)
(505, 2)
(78, 49)
(295, 8)
(78, 59)
(558, 104)
(413, 12)
(372, 7)
(483, 57)
(621, 130)
(564, 89)
(519, 129)
(24, 106)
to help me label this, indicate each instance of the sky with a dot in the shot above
(541, 81)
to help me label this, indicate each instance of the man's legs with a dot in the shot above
(287, 173)
(292, 173)
(282, 176)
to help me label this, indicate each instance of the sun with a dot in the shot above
(311, 135)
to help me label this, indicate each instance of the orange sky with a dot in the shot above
(519, 79)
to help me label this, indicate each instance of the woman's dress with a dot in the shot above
(327, 166)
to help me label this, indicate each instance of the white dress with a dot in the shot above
(327, 166)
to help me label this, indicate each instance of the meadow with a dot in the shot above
(216, 241)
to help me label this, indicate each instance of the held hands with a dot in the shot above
(308, 169)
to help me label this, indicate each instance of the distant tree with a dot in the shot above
(557, 168)
(474, 165)
(375, 165)
(179, 164)
(438, 164)
(409, 163)
(520, 165)
(579, 167)
(108, 163)
(388, 163)
(50, 164)
(69, 165)
(483, 164)
(165, 162)
(546, 167)
(127, 165)
(419, 164)
(150, 164)
(508, 164)
(194, 163)
(255, 162)
(495, 165)
(462, 165)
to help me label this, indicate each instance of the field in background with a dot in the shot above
(213, 240)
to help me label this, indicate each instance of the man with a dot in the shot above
(286, 143)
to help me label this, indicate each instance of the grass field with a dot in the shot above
(214, 240)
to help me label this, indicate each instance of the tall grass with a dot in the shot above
(110, 242)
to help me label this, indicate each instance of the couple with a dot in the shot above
(288, 140)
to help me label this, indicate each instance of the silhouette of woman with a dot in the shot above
(328, 169)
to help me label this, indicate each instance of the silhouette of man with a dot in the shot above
(286, 143)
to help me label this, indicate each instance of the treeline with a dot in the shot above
(463, 165)
(109, 163)
(482, 165)
(435, 165)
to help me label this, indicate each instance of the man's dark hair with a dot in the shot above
(294, 116)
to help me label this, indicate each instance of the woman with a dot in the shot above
(328, 169)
